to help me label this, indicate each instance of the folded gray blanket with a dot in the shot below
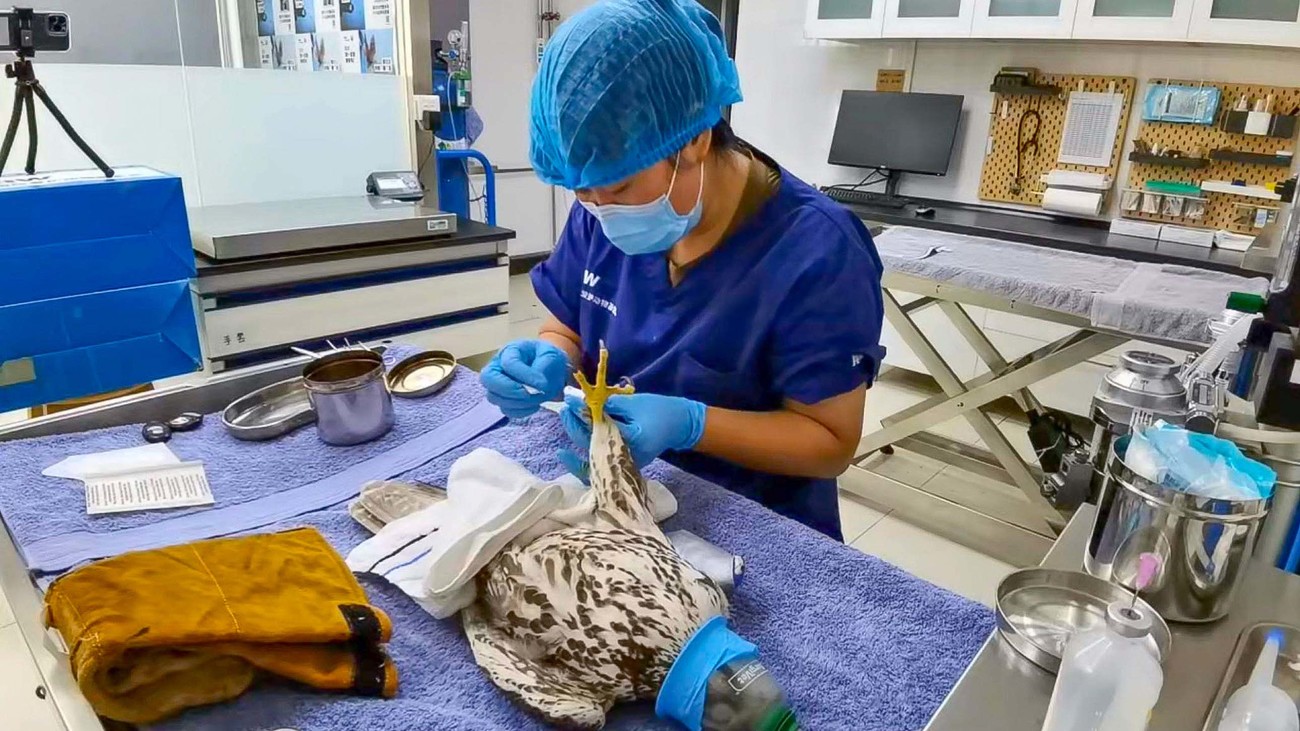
(1153, 301)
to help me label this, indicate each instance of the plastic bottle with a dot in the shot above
(1109, 679)
(1259, 705)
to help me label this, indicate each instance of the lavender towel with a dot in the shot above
(57, 554)
(37, 508)
(856, 643)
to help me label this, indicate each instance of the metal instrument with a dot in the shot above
(1026, 143)
(1143, 385)
(718, 564)
(1205, 402)
(1203, 544)
(161, 431)
(1071, 485)
(384, 501)
(1039, 609)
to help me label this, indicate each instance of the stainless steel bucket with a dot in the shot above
(1204, 545)
(1140, 381)
(1273, 539)
(348, 391)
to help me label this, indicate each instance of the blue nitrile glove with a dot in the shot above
(651, 424)
(524, 365)
(575, 464)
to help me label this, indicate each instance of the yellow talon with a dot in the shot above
(595, 394)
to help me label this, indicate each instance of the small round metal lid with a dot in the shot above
(422, 374)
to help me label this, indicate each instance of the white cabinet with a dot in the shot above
(1244, 22)
(928, 18)
(844, 18)
(1255, 22)
(1133, 20)
(1023, 18)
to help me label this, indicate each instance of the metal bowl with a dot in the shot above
(422, 374)
(1040, 609)
(269, 412)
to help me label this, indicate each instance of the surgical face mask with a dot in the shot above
(649, 227)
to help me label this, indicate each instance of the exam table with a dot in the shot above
(1107, 301)
(856, 642)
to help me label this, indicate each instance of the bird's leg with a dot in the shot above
(595, 394)
(617, 487)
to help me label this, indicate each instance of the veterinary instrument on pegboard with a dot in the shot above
(1024, 143)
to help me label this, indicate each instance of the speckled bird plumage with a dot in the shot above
(585, 617)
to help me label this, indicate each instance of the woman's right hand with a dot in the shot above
(524, 374)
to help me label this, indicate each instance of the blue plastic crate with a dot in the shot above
(76, 232)
(94, 284)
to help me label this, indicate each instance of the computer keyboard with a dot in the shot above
(854, 196)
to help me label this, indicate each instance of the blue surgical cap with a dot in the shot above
(625, 84)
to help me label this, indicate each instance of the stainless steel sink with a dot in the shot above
(1286, 676)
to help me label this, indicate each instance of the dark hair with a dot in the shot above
(724, 137)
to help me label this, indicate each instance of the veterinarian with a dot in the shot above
(743, 304)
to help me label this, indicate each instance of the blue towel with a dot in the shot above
(57, 554)
(856, 643)
(36, 507)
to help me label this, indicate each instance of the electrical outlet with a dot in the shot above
(426, 103)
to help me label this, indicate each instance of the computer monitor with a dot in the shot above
(903, 133)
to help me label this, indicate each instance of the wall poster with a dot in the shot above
(332, 36)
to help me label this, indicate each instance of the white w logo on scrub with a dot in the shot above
(591, 280)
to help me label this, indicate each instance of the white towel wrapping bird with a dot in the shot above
(432, 555)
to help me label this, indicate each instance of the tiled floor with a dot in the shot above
(933, 558)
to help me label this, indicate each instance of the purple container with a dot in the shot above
(350, 396)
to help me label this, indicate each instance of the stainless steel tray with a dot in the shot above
(422, 374)
(269, 412)
(1285, 676)
(1039, 609)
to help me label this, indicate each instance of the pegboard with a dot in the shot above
(1195, 140)
(1000, 160)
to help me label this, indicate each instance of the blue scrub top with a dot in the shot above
(787, 306)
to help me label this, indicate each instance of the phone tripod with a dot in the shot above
(26, 89)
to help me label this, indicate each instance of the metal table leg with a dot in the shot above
(966, 400)
(986, 350)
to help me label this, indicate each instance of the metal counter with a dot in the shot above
(1002, 691)
(279, 227)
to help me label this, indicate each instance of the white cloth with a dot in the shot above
(117, 461)
(433, 555)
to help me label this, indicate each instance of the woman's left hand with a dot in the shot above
(651, 424)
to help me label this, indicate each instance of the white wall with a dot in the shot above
(792, 85)
(503, 38)
(233, 135)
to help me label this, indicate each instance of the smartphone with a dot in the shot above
(47, 31)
